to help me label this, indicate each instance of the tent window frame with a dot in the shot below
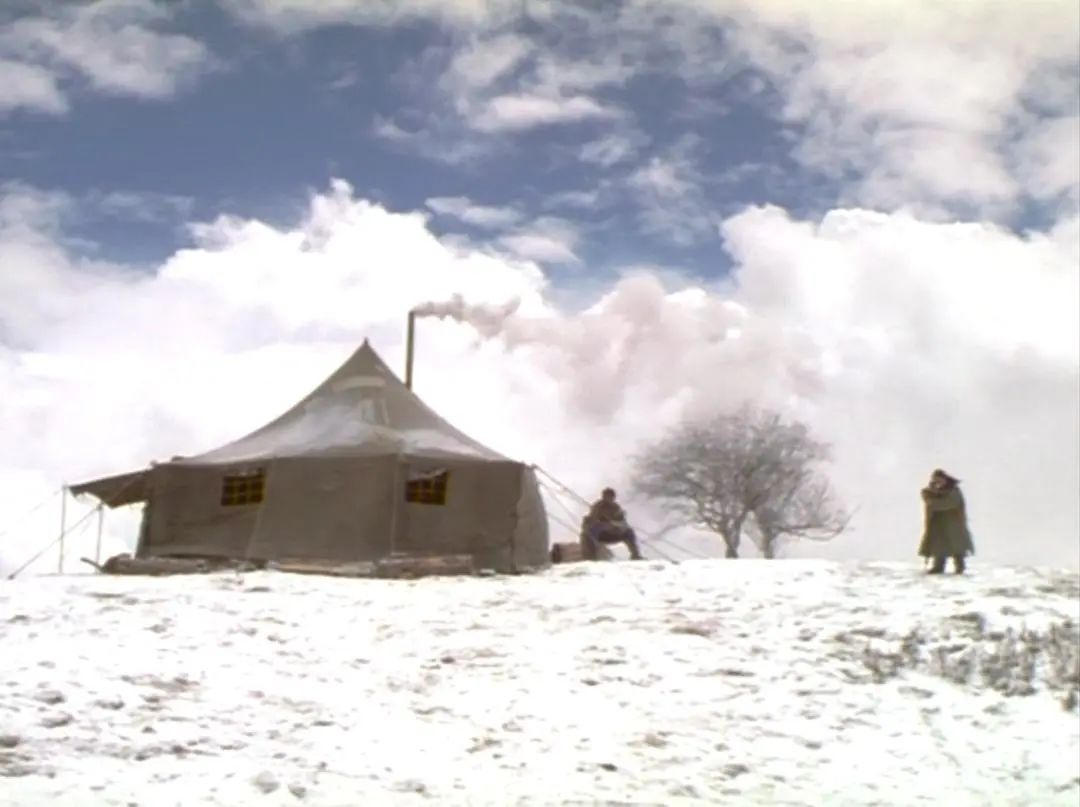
(243, 488)
(428, 488)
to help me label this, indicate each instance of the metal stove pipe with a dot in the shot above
(410, 335)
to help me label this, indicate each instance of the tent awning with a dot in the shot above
(116, 491)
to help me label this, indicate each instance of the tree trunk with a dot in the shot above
(731, 538)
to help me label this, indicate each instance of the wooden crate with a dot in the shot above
(574, 553)
(566, 553)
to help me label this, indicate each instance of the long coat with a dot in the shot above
(945, 533)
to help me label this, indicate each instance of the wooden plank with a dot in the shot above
(125, 564)
(333, 569)
(408, 567)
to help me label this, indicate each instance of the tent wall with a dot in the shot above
(478, 517)
(531, 540)
(187, 518)
(349, 509)
(326, 509)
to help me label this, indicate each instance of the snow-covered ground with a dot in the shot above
(748, 682)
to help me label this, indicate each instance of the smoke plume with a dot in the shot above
(488, 320)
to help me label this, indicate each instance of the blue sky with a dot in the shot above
(658, 122)
(275, 116)
(863, 214)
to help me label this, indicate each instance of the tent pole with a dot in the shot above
(100, 527)
(410, 334)
(63, 527)
(394, 506)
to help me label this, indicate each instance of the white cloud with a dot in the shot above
(907, 344)
(1049, 159)
(556, 73)
(29, 86)
(613, 148)
(144, 206)
(546, 240)
(911, 102)
(30, 212)
(927, 106)
(291, 16)
(580, 199)
(432, 141)
(480, 63)
(664, 177)
(668, 192)
(495, 83)
(515, 112)
(462, 208)
(115, 45)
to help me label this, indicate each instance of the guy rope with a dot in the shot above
(97, 510)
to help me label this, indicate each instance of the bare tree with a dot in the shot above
(750, 471)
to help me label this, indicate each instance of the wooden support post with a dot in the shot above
(100, 527)
(63, 527)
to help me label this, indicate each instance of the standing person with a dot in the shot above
(606, 524)
(945, 532)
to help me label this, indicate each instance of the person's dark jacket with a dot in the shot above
(945, 531)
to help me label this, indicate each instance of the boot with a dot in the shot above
(958, 564)
(938, 567)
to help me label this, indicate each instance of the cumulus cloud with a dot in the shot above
(907, 344)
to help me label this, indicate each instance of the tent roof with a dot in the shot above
(362, 409)
(116, 491)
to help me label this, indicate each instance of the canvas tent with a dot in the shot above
(359, 470)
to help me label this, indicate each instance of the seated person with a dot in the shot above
(606, 524)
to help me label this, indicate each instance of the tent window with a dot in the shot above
(429, 488)
(245, 487)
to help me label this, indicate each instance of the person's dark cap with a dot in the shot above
(944, 475)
